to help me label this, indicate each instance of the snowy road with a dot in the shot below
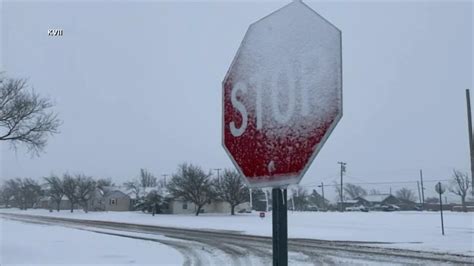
(206, 247)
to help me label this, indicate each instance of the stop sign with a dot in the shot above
(282, 95)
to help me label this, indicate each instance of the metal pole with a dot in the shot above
(422, 191)
(251, 201)
(164, 178)
(218, 173)
(342, 187)
(280, 227)
(419, 192)
(471, 147)
(441, 209)
(324, 201)
(342, 191)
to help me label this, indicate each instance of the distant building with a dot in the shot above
(114, 198)
(48, 203)
(353, 203)
(407, 205)
(119, 198)
(380, 201)
(177, 206)
(375, 201)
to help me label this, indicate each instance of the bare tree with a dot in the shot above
(230, 188)
(300, 197)
(25, 191)
(192, 184)
(6, 195)
(104, 182)
(25, 117)
(32, 192)
(135, 187)
(13, 188)
(55, 190)
(147, 179)
(153, 203)
(460, 185)
(406, 194)
(70, 187)
(316, 199)
(337, 187)
(354, 191)
(85, 188)
(374, 192)
(138, 185)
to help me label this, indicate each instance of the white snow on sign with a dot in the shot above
(282, 95)
(288, 72)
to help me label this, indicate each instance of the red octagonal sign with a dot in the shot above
(282, 95)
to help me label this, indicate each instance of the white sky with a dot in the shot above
(138, 85)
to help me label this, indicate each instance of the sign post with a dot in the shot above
(282, 97)
(440, 190)
(280, 226)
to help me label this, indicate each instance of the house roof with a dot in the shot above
(47, 198)
(129, 192)
(376, 198)
(116, 193)
(351, 201)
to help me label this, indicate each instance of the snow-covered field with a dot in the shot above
(25, 243)
(412, 230)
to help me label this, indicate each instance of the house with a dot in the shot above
(101, 199)
(48, 203)
(112, 199)
(407, 205)
(117, 198)
(353, 203)
(376, 201)
(178, 206)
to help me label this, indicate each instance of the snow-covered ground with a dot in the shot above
(25, 243)
(412, 230)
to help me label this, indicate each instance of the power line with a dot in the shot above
(315, 184)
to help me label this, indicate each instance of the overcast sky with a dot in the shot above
(138, 85)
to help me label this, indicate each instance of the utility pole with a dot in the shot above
(322, 193)
(471, 148)
(422, 191)
(390, 193)
(164, 177)
(419, 192)
(343, 170)
(218, 173)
